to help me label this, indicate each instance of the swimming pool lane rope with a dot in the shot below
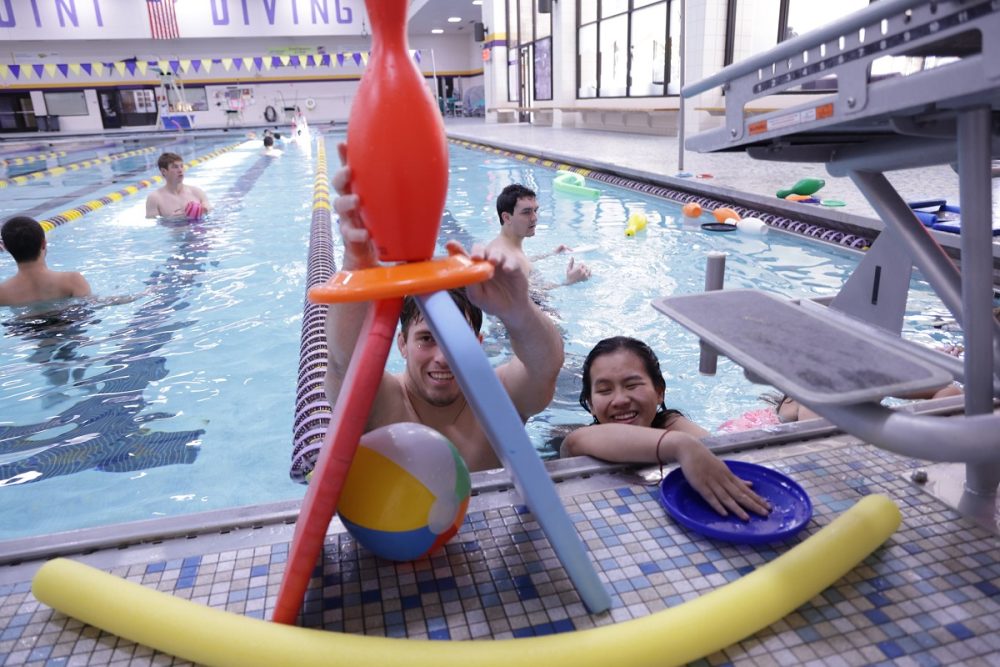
(28, 159)
(312, 410)
(821, 232)
(76, 166)
(673, 636)
(78, 212)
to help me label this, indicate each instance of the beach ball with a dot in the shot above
(406, 492)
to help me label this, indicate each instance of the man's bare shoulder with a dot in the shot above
(391, 405)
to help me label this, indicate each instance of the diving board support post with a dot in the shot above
(715, 275)
(982, 331)
(505, 431)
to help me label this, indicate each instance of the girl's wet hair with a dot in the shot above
(649, 362)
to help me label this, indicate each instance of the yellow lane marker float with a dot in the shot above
(670, 637)
(76, 166)
(28, 159)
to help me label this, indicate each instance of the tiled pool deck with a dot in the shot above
(929, 596)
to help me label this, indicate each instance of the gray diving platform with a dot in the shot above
(842, 359)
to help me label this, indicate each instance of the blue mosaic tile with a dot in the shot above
(959, 630)
(987, 588)
(891, 649)
(153, 568)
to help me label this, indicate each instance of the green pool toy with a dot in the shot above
(833, 202)
(806, 187)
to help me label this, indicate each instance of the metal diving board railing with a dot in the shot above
(948, 114)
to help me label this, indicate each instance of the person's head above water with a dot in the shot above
(623, 383)
(167, 159)
(428, 374)
(23, 238)
(411, 314)
(508, 198)
(268, 141)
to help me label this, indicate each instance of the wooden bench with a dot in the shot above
(541, 115)
(504, 114)
(748, 111)
(646, 120)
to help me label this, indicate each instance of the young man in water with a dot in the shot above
(175, 199)
(427, 391)
(34, 281)
(517, 208)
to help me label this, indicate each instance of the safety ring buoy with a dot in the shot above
(310, 103)
(270, 114)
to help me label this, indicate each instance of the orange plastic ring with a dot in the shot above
(385, 282)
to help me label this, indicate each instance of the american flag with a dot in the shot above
(162, 19)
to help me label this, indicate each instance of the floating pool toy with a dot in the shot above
(406, 492)
(684, 174)
(636, 223)
(790, 512)
(798, 198)
(723, 214)
(692, 209)
(193, 210)
(718, 227)
(394, 122)
(572, 183)
(674, 636)
(833, 203)
(806, 186)
(752, 225)
(391, 113)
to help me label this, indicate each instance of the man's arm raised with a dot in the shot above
(530, 375)
(344, 320)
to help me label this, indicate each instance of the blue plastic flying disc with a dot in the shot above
(791, 507)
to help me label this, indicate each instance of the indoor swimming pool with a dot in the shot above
(181, 399)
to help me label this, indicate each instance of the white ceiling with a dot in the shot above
(428, 14)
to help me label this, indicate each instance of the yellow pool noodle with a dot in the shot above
(669, 637)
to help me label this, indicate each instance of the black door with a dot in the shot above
(111, 108)
(16, 113)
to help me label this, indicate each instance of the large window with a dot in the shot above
(66, 103)
(529, 53)
(187, 99)
(625, 48)
(755, 26)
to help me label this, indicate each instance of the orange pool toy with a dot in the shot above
(723, 214)
(386, 282)
(692, 209)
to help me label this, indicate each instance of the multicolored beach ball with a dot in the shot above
(406, 493)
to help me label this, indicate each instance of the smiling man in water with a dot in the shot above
(427, 391)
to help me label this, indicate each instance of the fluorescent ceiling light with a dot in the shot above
(454, 19)
(436, 31)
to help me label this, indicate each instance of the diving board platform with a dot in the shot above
(947, 112)
(820, 359)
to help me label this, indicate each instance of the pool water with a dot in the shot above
(181, 400)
